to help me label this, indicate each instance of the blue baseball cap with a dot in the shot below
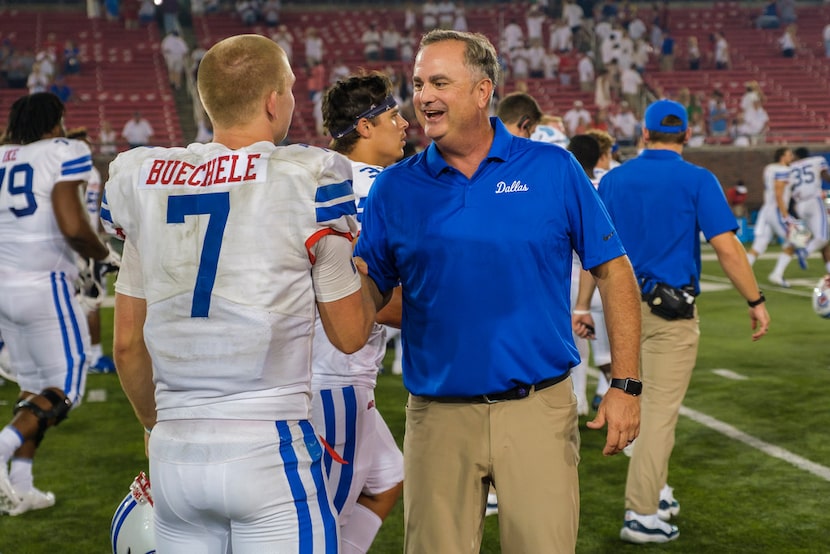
(657, 112)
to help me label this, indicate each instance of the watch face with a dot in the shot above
(633, 387)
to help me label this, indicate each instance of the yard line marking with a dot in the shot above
(765, 447)
(729, 374)
(738, 435)
(767, 286)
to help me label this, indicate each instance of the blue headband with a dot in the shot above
(373, 111)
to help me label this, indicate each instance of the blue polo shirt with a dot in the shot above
(485, 263)
(660, 203)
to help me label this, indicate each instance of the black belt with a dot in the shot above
(516, 393)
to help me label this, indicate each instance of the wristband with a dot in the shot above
(761, 300)
(581, 312)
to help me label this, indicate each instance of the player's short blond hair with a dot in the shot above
(605, 141)
(237, 74)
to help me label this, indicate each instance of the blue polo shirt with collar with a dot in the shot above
(660, 204)
(485, 262)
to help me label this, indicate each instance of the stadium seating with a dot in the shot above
(122, 70)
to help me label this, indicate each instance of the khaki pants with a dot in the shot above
(668, 356)
(528, 448)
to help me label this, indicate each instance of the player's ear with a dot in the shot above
(364, 128)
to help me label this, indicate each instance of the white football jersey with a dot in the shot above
(225, 239)
(32, 241)
(92, 197)
(331, 368)
(805, 178)
(772, 173)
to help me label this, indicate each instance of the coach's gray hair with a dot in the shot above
(479, 53)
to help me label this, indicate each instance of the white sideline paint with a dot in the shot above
(729, 374)
(758, 444)
(738, 435)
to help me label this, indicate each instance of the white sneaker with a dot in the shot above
(669, 506)
(35, 499)
(9, 499)
(778, 280)
(641, 529)
(492, 505)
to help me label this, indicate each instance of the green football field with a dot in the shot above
(750, 467)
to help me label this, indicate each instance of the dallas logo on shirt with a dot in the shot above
(516, 186)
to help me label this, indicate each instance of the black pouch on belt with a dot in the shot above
(670, 303)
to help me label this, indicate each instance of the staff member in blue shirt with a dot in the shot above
(660, 204)
(479, 230)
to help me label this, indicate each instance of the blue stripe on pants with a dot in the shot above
(347, 471)
(72, 386)
(329, 521)
(292, 473)
(330, 424)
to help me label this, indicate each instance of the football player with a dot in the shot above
(808, 171)
(44, 226)
(231, 249)
(365, 471)
(774, 218)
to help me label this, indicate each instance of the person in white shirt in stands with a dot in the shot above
(175, 51)
(366, 126)
(577, 119)
(137, 131)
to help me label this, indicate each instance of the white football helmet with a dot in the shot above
(798, 234)
(821, 297)
(132, 528)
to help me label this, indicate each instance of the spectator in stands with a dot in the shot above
(769, 16)
(248, 11)
(577, 119)
(534, 20)
(170, 15)
(313, 47)
(561, 37)
(175, 52)
(536, 59)
(36, 81)
(146, 12)
(751, 94)
(339, 71)
(755, 123)
(736, 196)
(107, 139)
(459, 23)
(637, 28)
(390, 41)
(429, 15)
(551, 64)
(586, 72)
(722, 57)
(693, 53)
(371, 42)
(601, 121)
(129, 14)
(788, 41)
(271, 12)
(631, 86)
(446, 14)
(60, 89)
(71, 58)
(572, 14)
(786, 11)
(602, 89)
(18, 66)
(640, 55)
(137, 131)
(316, 80)
(46, 59)
(667, 52)
(697, 126)
(285, 40)
(407, 46)
(626, 125)
(719, 117)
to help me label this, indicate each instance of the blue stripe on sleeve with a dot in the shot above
(78, 165)
(331, 213)
(329, 521)
(290, 464)
(327, 193)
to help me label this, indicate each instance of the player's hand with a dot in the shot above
(583, 326)
(759, 318)
(621, 411)
(110, 264)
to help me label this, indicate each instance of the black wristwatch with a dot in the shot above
(634, 387)
(761, 300)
